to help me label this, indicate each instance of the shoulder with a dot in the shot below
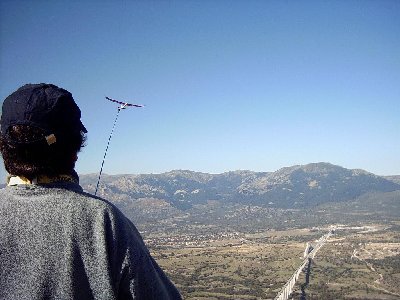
(112, 217)
(68, 201)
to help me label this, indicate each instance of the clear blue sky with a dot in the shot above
(227, 85)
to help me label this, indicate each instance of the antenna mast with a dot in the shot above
(123, 105)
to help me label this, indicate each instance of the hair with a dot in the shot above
(22, 158)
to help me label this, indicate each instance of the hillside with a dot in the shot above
(394, 178)
(298, 186)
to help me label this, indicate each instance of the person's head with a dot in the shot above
(41, 131)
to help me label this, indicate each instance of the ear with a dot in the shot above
(75, 157)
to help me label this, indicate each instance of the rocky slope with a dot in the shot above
(394, 178)
(291, 187)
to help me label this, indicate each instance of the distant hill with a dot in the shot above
(394, 178)
(292, 187)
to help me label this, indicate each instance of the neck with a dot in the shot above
(42, 179)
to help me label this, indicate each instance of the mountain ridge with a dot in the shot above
(289, 187)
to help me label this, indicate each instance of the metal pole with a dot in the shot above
(105, 153)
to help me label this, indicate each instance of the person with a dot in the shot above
(56, 241)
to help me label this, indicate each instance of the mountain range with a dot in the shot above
(299, 186)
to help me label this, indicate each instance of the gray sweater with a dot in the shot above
(57, 242)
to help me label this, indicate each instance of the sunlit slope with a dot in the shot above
(291, 187)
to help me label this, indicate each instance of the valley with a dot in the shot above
(354, 264)
(242, 234)
(232, 251)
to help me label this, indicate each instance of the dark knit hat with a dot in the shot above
(44, 106)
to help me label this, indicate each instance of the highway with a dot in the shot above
(309, 254)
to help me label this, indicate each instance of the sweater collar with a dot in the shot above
(41, 179)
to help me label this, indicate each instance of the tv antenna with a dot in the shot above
(122, 105)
